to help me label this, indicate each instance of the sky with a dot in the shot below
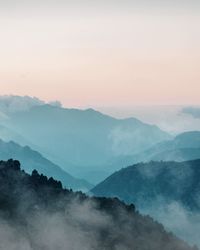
(90, 53)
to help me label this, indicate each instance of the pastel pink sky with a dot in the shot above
(101, 55)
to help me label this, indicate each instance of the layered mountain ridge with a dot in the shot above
(160, 189)
(37, 213)
(31, 159)
(80, 141)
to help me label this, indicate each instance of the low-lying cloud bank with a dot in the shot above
(45, 230)
(177, 219)
(12, 103)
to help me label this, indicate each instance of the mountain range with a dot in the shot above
(161, 189)
(37, 213)
(31, 159)
(90, 145)
(183, 147)
(81, 141)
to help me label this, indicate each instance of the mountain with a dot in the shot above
(33, 160)
(170, 180)
(179, 155)
(83, 140)
(192, 111)
(183, 147)
(37, 213)
(7, 134)
(161, 189)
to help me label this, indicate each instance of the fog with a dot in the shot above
(176, 218)
(56, 231)
(182, 220)
(12, 104)
(174, 119)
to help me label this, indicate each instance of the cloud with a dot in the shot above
(78, 228)
(55, 104)
(179, 218)
(176, 218)
(12, 104)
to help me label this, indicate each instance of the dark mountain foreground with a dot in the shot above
(168, 191)
(36, 213)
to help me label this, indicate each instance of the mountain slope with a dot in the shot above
(7, 134)
(160, 189)
(171, 180)
(86, 139)
(33, 160)
(183, 147)
(179, 155)
(38, 214)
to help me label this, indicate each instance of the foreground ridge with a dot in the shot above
(38, 214)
